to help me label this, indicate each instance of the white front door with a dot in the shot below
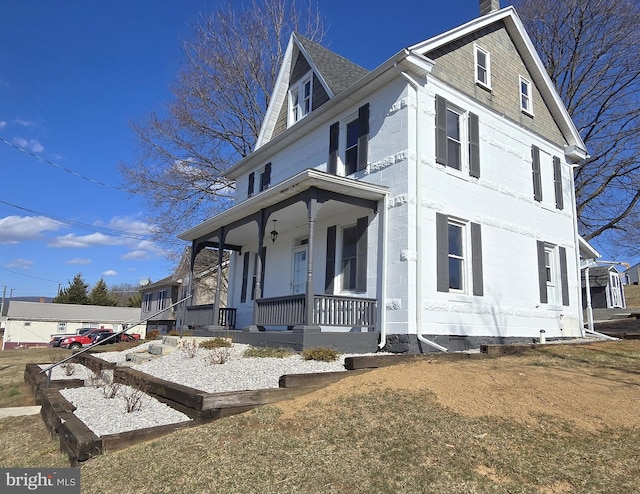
(614, 286)
(299, 272)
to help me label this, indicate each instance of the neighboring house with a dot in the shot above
(606, 288)
(32, 323)
(160, 299)
(632, 275)
(428, 201)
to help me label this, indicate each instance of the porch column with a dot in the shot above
(262, 222)
(216, 305)
(312, 210)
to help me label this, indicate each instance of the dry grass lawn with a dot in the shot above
(560, 419)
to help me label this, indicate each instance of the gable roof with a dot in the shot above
(577, 149)
(334, 72)
(412, 59)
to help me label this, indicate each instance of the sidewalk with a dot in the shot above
(19, 411)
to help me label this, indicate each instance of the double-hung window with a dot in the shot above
(300, 98)
(264, 180)
(552, 274)
(146, 306)
(457, 138)
(162, 299)
(354, 144)
(483, 67)
(526, 97)
(459, 256)
(347, 257)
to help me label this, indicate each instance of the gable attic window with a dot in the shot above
(526, 100)
(300, 95)
(457, 138)
(483, 67)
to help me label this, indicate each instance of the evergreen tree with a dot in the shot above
(75, 293)
(100, 295)
(135, 300)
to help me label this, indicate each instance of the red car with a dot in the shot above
(81, 340)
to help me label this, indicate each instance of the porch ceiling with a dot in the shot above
(282, 191)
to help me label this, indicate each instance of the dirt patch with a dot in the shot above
(522, 389)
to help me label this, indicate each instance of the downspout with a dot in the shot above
(382, 286)
(577, 256)
(419, 335)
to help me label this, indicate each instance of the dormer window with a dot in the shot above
(483, 67)
(300, 98)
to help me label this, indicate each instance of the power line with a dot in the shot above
(29, 276)
(108, 231)
(56, 165)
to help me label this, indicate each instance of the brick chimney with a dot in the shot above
(488, 6)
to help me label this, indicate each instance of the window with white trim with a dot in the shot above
(526, 96)
(459, 252)
(457, 138)
(552, 274)
(348, 266)
(300, 98)
(146, 305)
(162, 299)
(483, 67)
(349, 143)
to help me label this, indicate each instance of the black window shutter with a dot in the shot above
(330, 269)
(441, 133)
(474, 146)
(334, 133)
(245, 277)
(563, 275)
(361, 254)
(476, 259)
(442, 252)
(537, 181)
(542, 272)
(252, 179)
(363, 139)
(557, 182)
(266, 177)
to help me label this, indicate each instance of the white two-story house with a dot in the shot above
(427, 203)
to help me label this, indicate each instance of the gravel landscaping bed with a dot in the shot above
(76, 371)
(109, 415)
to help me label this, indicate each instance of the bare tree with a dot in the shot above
(221, 94)
(591, 50)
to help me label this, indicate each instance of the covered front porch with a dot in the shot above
(307, 257)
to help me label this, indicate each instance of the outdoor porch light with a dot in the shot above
(274, 233)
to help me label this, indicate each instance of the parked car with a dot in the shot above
(56, 339)
(81, 340)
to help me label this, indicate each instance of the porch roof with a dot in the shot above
(284, 190)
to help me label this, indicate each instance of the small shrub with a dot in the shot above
(152, 334)
(110, 391)
(267, 352)
(320, 353)
(173, 332)
(189, 348)
(95, 380)
(215, 343)
(68, 368)
(219, 355)
(133, 399)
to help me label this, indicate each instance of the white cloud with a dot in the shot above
(82, 241)
(24, 123)
(3, 124)
(19, 263)
(137, 255)
(127, 224)
(31, 144)
(79, 260)
(15, 229)
(110, 272)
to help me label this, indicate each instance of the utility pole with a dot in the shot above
(4, 292)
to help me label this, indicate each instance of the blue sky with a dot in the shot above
(73, 74)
